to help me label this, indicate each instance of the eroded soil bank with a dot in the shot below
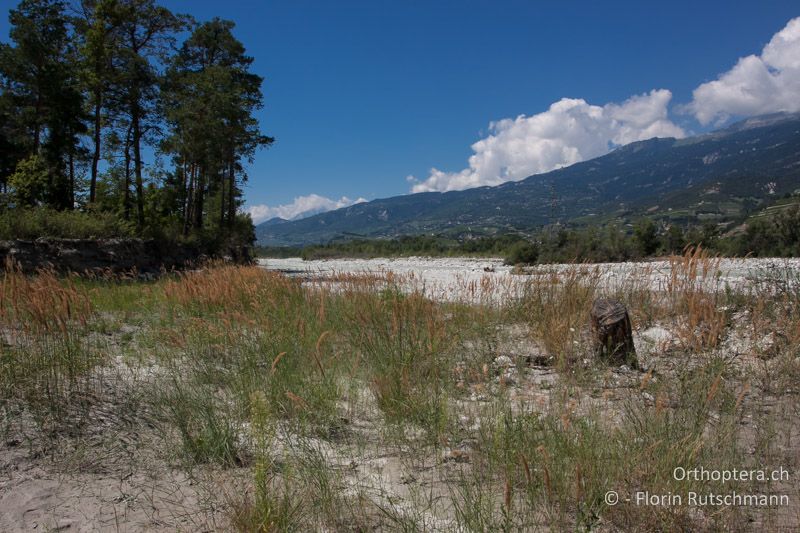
(99, 256)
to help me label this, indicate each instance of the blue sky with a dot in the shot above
(363, 94)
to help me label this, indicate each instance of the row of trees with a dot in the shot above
(404, 246)
(775, 235)
(93, 88)
(611, 243)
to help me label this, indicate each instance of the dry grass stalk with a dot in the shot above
(43, 303)
(695, 293)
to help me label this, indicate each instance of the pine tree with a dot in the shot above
(96, 78)
(146, 36)
(97, 29)
(42, 95)
(210, 98)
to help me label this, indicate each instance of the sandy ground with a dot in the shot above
(112, 477)
(36, 496)
(117, 481)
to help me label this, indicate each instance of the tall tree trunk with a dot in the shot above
(184, 192)
(37, 128)
(137, 165)
(127, 193)
(187, 215)
(71, 195)
(221, 200)
(98, 109)
(232, 193)
(199, 187)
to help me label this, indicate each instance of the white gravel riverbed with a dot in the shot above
(463, 278)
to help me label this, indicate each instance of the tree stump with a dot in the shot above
(612, 331)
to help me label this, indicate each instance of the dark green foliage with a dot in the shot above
(35, 223)
(674, 240)
(593, 244)
(146, 34)
(210, 97)
(10, 144)
(496, 245)
(282, 252)
(522, 253)
(98, 37)
(417, 245)
(646, 237)
(404, 246)
(42, 100)
(109, 74)
(778, 236)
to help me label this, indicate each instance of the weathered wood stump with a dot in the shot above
(613, 335)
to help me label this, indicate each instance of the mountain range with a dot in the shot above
(720, 176)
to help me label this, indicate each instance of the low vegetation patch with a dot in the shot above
(356, 402)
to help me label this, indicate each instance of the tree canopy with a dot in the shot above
(123, 107)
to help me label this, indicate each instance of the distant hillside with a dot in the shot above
(273, 222)
(719, 176)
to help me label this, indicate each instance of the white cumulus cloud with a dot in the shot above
(757, 84)
(301, 207)
(570, 131)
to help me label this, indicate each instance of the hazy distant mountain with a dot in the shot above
(273, 222)
(717, 176)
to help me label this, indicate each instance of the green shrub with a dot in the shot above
(29, 182)
(522, 253)
(43, 222)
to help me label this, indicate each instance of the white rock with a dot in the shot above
(657, 335)
(503, 361)
(508, 377)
